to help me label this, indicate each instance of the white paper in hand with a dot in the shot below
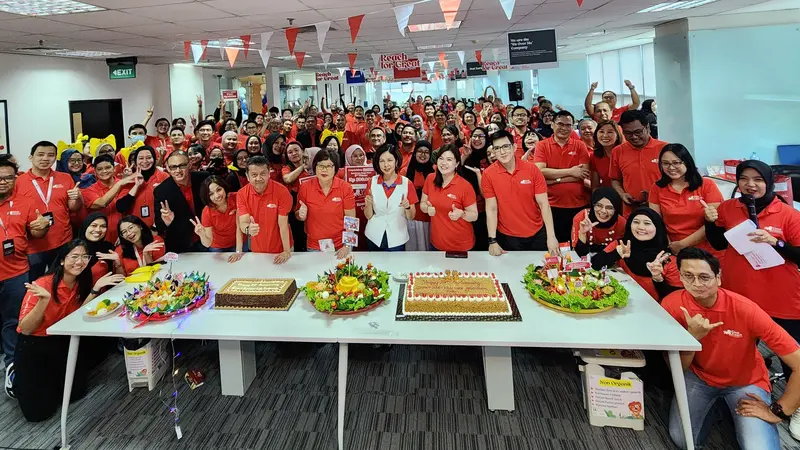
(738, 237)
(759, 255)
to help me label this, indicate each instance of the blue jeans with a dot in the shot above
(12, 291)
(752, 433)
(222, 250)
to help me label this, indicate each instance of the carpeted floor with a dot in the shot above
(400, 398)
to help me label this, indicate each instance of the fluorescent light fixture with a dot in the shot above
(433, 26)
(672, 6)
(292, 58)
(66, 52)
(431, 47)
(46, 7)
(586, 35)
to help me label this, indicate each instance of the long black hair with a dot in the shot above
(692, 175)
(438, 180)
(476, 159)
(84, 279)
(454, 130)
(127, 246)
(102, 246)
(598, 147)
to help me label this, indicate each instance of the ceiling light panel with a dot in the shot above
(673, 6)
(433, 26)
(46, 7)
(431, 47)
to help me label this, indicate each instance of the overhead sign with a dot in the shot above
(533, 47)
(390, 61)
(358, 78)
(230, 94)
(475, 69)
(327, 76)
(407, 69)
(121, 71)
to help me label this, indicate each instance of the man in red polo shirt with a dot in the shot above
(17, 219)
(263, 207)
(729, 366)
(394, 111)
(634, 163)
(564, 162)
(518, 214)
(54, 194)
(518, 128)
(611, 99)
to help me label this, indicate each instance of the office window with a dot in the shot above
(611, 69)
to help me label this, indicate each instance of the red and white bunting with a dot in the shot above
(355, 25)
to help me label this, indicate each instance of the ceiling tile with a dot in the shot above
(119, 4)
(254, 7)
(236, 24)
(155, 30)
(278, 21)
(95, 35)
(37, 25)
(180, 12)
(319, 4)
(101, 19)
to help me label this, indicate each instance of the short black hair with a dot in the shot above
(692, 175)
(162, 119)
(393, 108)
(287, 109)
(42, 144)
(257, 160)
(694, 253)
(369, 111)
(177, 119)
(630, 116)
(203, 123)
(392, 150)
(205, 195)
(248, 122)
(500, 134)
(136, 126)
(5, 162)
(274, 110)
(177, 129)
(326, 155)
(514, 109)
(197, 148)
(102, 159)
(564, 113)
(358, 107)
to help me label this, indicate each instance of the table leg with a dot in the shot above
(499, 378)
(237, 366)
(342, 393)
(72, 360)
(681, 397)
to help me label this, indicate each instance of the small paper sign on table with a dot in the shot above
(351, 224)
(350, 239)
(170, 257)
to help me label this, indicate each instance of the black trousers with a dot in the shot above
(792, 326)
(298, 228)
(537, 242)
(481, 233)
(40, 365)
(562, 221)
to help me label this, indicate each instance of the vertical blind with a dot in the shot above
(610, 70)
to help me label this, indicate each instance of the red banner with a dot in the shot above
(407, 69)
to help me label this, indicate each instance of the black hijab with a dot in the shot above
(643, 252)
(93, 247)
(614, 198)
(415, 166)
(766, 171)
(267, 148)
(149, 172)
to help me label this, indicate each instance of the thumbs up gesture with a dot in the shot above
(431, 209)
(404, 202)
(40, 223)
(167, 215)
(710, 212)
(455, 213)
(302, 211)
(74, 193)
(253, 229)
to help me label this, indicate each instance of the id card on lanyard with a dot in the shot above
(8, 241)
(48, 214)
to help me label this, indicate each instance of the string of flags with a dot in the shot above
(402, 15)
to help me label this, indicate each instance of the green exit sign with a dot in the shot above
(122, 71)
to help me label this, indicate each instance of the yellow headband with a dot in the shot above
(95, 144)
(126, 152)
(78, 145)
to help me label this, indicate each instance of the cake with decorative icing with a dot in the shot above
(257, 293)
(455, 293)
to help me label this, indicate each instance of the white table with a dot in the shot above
(642, 325)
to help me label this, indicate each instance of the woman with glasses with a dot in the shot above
(450, 202)
(137, 245)
(100, 196)
(237, 175)
(217, 228)
(389, 203)
(41, 360)
(595, 228)
(546, 124)
(680, 197)
(419, 229)
(323, 202)
(643, 253)
(473, 159)
(606, 137)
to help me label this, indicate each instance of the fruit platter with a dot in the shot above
(348, 289)
(574, 287)
(164, 298)
(102, 308)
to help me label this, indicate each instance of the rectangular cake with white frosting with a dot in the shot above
(454, 293)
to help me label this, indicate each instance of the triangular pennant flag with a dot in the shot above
(508, 7)
(496, 54)
(402, 14)
(443, 60)
(352, 57)
(420, 57)
(246, 43)
(291, 38)
(197, 52)
(264, 54)
(341, 71)
(204, 45)
(580, 3)
(479, 56)
(232, 52)
(355, 26)
(325, 58)
(322, 31)
(299, 57)
(265, 37)
(461, 56)
(449, 9)
(431, 64)
(376, 58)
(187, 47)
(353, 73)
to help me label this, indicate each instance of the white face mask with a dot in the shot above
(137, 138)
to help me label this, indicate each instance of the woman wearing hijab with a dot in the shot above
(71, 162)
(643, 253)
(138, 200)
(102, 257)
(776, 289)
(419, 124)
(680, 197)
(596, 228)
(419, 229)
(230, 142)
(274, 150)
(473, 157)
(237, 172)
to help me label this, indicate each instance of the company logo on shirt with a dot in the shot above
(695, 198)
(732, 333)
(14, 213)
(336, 199)
(58, 186)
(272, 205)
(777, 231)
(654, 161)
(526, 182)
(452, 196)
(571, 153)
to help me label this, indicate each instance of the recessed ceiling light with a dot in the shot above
(46, 7)
(66, 52)
(671, 6)
(586, 35)
(430, 47)
(433, 26)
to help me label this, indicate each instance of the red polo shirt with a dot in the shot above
(418, 109)
(16, 212)
(187, 193)
(419, 183)
(682, 212)
(550, 152)
(518, 214)
(61, 231)
(638, 168)
(518, 141)
(775, 290)
(617, 113)
(436, 137)
(265, 209)
(325, 218)
(144, 202)
(131, 264)
(406, 155)
(602, 167)
(68, 302)
(294, 186)
(223, 224)
(447, 235)
(91, 195)
(730, 357)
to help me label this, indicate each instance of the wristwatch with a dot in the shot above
(777, 409)
(780, 244)
(492, 240)
(95, 292)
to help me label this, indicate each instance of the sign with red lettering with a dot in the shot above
(327, 76)
(359, 177)
(389, 61)
(404, 70)
(230, 94)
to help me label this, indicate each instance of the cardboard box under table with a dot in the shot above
(612, 396)
(146, 364)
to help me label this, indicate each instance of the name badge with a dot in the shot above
(49, 216)
(8, 247)
(145, 211)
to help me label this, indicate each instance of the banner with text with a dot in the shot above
(407, 69)
(359, 177)
(390, 61)
(475, 69)
(533, 47)
(327, 76)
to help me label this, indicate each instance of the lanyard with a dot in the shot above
(46, 200)
(8, 213)
(139, 259)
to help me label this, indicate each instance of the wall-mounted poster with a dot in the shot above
(4, 127)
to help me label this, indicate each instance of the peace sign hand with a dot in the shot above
(656, 267)
(698, 326)
(40, 292)
(167, 215)
(624, 249)
(199, 229)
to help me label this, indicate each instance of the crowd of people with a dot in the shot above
(449, 175)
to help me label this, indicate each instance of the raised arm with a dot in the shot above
(634, 96)
(588, 103)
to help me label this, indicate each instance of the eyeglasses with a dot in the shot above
(179, 166)
(424, 152)
(325, 167)
(76, 258)
(599, 207)
(691, 278)
(75, 160)
(128, 231)
(520, 115)
(478, 136)
(504, 148)
(635, 133)
(8, 179)
(668, 164)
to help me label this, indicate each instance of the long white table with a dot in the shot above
(642, 325)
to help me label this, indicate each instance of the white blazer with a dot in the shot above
(388, 216)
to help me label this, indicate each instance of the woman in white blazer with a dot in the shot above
(389, 203)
